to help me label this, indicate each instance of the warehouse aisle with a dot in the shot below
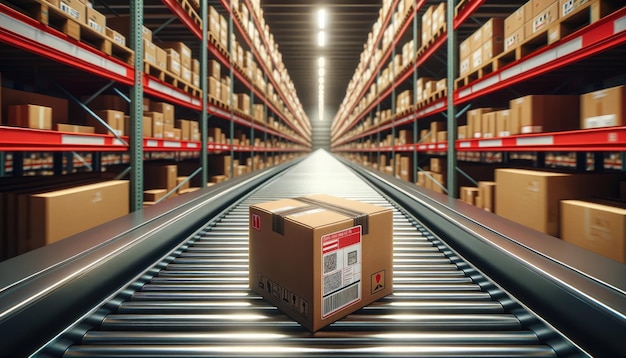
(197, 301)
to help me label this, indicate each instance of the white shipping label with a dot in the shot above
(341, 270)
(70, 11)
(607, 120)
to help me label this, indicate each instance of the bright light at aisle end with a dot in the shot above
(322, 18)
(321, 39)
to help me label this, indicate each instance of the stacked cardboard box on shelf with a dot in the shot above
(603, 108)
(532, 198)
(599, 227)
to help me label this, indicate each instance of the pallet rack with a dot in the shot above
(23, 30)
(584, 42)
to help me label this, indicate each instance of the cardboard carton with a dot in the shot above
(532, 198)
(14, 97)
(599, 228)
(62, 127)
(604, 108)
(161, 58)
(97, 203)
(545, 113)
(319, 258)
(30, 116)
(517, 19)
(152, 195)
(160, 176)
(487, 194)
(95, 20)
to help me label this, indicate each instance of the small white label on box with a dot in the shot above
(96, 26)
(532, 129)
(568, 7)
(70, 11)
(607, 120)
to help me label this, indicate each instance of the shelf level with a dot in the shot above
(25, 139)
(584, 140)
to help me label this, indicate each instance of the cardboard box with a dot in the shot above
(340, 253)
(215, 69)
(604, 108)
(532, 198)
(152, 195)
(121, 24)
(476, 60)
(464, 67)
(73, 128)
(474, 121)
(469, 194)
(243, 102)
(95, 20)
(30, 116)
(596, 227)
(161, 58)
(108, 101)
(488, 125)
(115, 119)
(427, 23)
(156, 119)
(183, 51)
(173, 61)
(465, 48)
(515, 38)
(149, 52)
(538, 6)
(183, 187)
(74, 9)
(160, 176)
(438, 165)
(491, 48)
(115, 36)
(545, 113)
(476, 40)
(98, 203)
(146, 126)
(493, 30)
(517, 19)
(165, 108)
(487, 194)
(543, 19)
(185, 128)
(434, 128)
(14, 97)
(504, 126)
(461, 132)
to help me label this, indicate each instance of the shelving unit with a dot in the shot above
(51, 48)
(535, 67)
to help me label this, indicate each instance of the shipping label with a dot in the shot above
(341, 270)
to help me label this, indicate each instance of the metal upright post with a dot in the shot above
(451, 75)
(204, 118)
(414, 95)
(232, 94)
(136, 107)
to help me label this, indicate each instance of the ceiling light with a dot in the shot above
(321, 39)
(321, 62)
(321, 18)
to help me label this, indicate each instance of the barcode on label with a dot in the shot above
(341, 299)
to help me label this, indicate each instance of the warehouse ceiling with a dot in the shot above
(294, 25)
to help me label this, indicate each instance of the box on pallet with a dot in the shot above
(121, 24)
(597, 227)
(95, 20)
(514, 26)
(319, 258)
(542, 20)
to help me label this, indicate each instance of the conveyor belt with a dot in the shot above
(196, 302)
